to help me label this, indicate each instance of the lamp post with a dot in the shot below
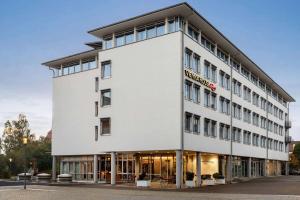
(25, 140)
(10, 160)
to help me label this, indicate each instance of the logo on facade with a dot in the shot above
(200, 80)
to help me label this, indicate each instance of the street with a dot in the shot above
(263, 188)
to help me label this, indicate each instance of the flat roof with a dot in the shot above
(185, 10)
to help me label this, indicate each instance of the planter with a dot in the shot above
(22, 176)
(208, 182)
(220, 181)
(64, 178)
(43, 178)
(143, 183)
(190, 184)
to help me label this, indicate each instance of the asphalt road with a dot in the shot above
(263, 189)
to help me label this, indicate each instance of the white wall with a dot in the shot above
(145, 108)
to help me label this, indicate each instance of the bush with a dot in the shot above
(190, 176)
(218, 176)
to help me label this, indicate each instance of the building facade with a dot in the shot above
(163, 94)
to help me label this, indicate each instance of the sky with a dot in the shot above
(35, 31)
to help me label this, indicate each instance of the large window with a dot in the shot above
(96, 133)
(210, 71)
(224, 105)
(193, 33)
(247, 94)
(105, 97)
(106, 69)
(224, 131)
(108, 42)
(236, 110)
(210, 128)
(224, 80)
(150, 31)
(188, 122)
(124, 38)
(196, 124)
(223, 56)
(255, 139)
(210, 99)
(237, 87)
(105, 126)
(208, 44)
(247, 137)
(196, 94)
(188, 90)
(247, 115)
(236, 134)
(188, 58)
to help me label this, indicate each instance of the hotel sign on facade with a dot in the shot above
(199, 79)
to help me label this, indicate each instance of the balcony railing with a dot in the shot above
(288, 124)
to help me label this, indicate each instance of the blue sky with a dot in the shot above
(34, 31)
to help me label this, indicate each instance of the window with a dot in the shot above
(105, 97)
(188, 121)
(224, 80)
(65, 71)
(263, 140)
(223, 56)
(276, 145)
(236, 134)
(255, 119)
(108, 42)
(255, 139)
(106, 69)
(196, 124)
(208, 44)
(237, 87)
(210, 127)
(224, 132)
(105, 126)
(236, 111)
(254, 79)
(247, 137)
(255, 99)
(96, 84)
(263, 122)
(270, 125)
(224, 105)
(247, 94)
(193, 33)
(262, 85)
(276, 128)
(188, 90)
(276, 111)
(188, 58)
(96, 108)
(151, 32)
(124, 38)
(263, 103)
(210, 99)
(234, 64)
(196, 63)
(247, 115)
(280, 114)
(141, 34)
(245, 72)
(196, 95)
(160, 29)
(210, 71)
(270, 143)
(281, 130)
(96, 133)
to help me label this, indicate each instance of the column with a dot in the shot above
(53, 168)
(113, 40)
(223, 166)
(249, 167)
(266, 167)
(287, 168)
(137, 167)
(228, 169)
(178, 168)
(166, 25)
(95, 169)
(113, 168)
(198, 168)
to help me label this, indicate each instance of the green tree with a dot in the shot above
(296, 151)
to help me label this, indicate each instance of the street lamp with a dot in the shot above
(25, 140)
(10, 160)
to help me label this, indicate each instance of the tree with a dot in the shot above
(36, 152)
(296, 151)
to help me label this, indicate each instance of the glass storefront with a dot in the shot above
(239, 167)
(80, 168)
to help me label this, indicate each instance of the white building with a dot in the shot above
(159, 94)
